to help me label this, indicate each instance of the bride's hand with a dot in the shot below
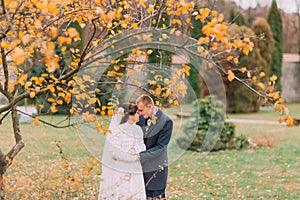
(132, 151)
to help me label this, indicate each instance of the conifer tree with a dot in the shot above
(275, 22)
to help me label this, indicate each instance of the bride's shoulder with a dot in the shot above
(138, 128)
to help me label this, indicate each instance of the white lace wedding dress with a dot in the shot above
(122, 176)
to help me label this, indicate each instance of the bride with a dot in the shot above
(122, 176)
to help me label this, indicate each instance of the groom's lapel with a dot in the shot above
(154, 128)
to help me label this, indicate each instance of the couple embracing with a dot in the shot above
(135, 158)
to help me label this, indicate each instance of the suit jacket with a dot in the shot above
(154, 159)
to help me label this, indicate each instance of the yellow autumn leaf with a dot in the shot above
(229, 58)
(68, 97)
(135, 26)
(277, 106)
(110, 112)
(53, 32)
(38, 24)
(50, 45)
(177, 33)
(22, 79)
(26, 39)
(280, 120)
(51, 88)
(273, 78)
(236, 60)
(289, 121)
(18, 55)
(280, 100)
(244, 69)
(72, 32)
(11, 88)
(202, 40)
(36, 121)
(262, 74)
(149, 52)
(247, 40)
(16, 72)
(214, 13)
(51, 100)
(230, 75)
(221, 17)
(60, 102)
(153, 119)
(261, 85)
(214, 46)
(53, 109)
(118, 86)
(32, 95)
(9, 161)
(27, 85)
(5, 44)
(176, 102)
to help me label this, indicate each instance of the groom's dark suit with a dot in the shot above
(156, 139)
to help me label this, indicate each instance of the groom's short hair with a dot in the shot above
(145, 99)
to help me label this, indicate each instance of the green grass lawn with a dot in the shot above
(267, 113)
(268, 171)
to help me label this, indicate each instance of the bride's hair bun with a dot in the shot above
(129, 109)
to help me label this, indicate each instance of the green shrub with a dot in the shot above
(208, 120)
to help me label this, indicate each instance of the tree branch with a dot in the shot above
(71, 73)
(5, 69)
(4, 116)
(47, 123)
(16, 125)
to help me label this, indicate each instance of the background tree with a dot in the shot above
(195, 32)
(275, 22)
(238, 99)
(31, 28)
(262, 29)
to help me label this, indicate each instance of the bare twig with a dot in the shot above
(48, 123)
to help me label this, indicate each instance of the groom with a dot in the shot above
(157, 128)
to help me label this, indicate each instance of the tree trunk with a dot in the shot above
(6, 160)
(3, 167)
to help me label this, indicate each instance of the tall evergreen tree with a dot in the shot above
(275, 22)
